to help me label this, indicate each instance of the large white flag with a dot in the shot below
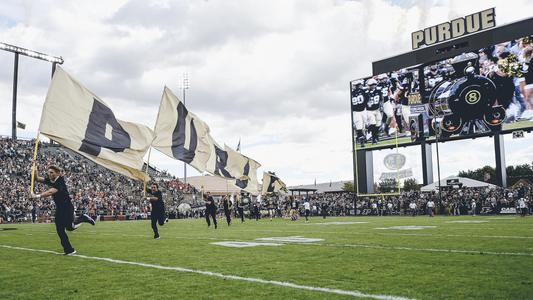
(244, 169)
(180, 134)
(272, 183)
(80, 121)
(230, 164)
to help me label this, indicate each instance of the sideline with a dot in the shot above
(220, 275)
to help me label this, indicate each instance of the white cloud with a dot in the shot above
(274, 73)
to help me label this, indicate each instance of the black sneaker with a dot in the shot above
(88, 219)
(156, 236)
(71, 252)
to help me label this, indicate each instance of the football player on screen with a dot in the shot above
(374, 100)
(358, 110)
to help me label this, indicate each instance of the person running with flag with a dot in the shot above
(157, 215)
(64, 215)
(227, 208)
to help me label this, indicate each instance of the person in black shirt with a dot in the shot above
(227, 209)
(64, 215)
(240, 208)
(324, 209)
(374, 100)
(358, 110)
(158, 208)
(210, 209)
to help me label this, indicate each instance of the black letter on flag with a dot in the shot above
(95, 138)
(222, 161)
(244, 183)
(178, 137)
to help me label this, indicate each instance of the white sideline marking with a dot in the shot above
(467, 221)
(290, 239)
(408, 227)
(425, 249)
(236, 244)
(224, 276)
(336, 223)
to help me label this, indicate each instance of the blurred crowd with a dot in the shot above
(93, 189)
(101, 193)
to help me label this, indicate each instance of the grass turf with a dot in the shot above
(351, 257)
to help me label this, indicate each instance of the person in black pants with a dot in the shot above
(227, 209)
(34, 213)
(210, 209)
(324, 209)
(240, 208)
(64, 215)
(157, 215)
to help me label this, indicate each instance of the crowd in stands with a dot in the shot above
(94, 189)
(99, 192)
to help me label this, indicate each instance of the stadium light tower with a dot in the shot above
(185, 86)
(30, 53)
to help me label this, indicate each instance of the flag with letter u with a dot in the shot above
(80, 121)
(272, 183)
(230, 164)
(180, 134)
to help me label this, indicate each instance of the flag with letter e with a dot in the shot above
(80, 121)
(180, 134)
(272, 183)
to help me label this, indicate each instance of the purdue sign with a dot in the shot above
(454, 29)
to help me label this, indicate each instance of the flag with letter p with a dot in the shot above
(180, 134)
(80, 121)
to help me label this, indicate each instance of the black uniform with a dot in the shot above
(324, 209)
(227, 210)
(158, 211)
(211, 210)
(374, 99)
(358, 100)
(64, 216)
(240, 208)
(384, 89)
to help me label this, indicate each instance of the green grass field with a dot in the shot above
(492, 259)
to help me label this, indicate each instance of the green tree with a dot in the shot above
(515, 173)
(348, 187)
(388, 185)
(410, 184)
(486, 174)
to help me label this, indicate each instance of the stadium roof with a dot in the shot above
(215, 185)
(466, 182)
(326, 187)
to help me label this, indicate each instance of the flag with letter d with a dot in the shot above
(80, 121)
(180, 134)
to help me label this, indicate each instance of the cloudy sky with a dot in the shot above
(273, 73)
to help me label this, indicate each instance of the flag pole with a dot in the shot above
(32, 184)
(146, 172)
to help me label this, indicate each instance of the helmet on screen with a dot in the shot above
(371, 81)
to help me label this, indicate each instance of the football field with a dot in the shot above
(489, 257)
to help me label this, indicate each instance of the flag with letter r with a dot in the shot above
(79, 120)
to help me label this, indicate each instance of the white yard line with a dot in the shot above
(425, 249)
(352, 293)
